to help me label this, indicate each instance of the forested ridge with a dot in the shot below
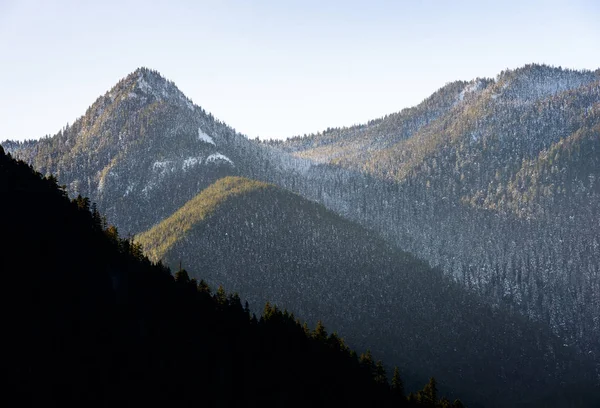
(139, 142)
(93, 322)
(494, 182)
(270, 244)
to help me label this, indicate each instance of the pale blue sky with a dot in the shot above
(275, 68)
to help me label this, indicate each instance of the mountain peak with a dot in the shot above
(150, 86)
(147, 71)
(533, 82)
(148, 79)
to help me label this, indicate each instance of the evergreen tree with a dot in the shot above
(306, 329)
(96, 217)
(458, 404)
(182, 276)
(380, 375)
(268, 312)
(428, 396)
(444, 403)
(397, 384)
(336, 342)
(247, 309)
(113, 233)
(203, 287)
(320, 333)
(366, 362)
(234, 301)
(221, 296)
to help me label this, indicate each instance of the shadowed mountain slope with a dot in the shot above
(268, 243)
(91, 322)
(493, 181)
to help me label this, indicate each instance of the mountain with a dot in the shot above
(498, 187)
(270, 244)
(358, 142)
(493, 181)
(141, 142)
(92, 322)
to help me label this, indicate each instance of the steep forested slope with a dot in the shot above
(91, 322)
(267, 243)
(141, 141)
(494, 181)
(357, 143)
(500, 191)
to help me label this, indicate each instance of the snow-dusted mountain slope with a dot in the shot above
(494, 181)
(139, 152)
(268, 244)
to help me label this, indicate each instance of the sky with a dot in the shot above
(275, 69)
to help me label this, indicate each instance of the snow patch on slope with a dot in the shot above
(205, 138)
(162, 165)
(129, 189)
(163, 90)
(218, 156)
(191, 162)
(187, 102)
(144, 86)
(162, 168)
(472, 87)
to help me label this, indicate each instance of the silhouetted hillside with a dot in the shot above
(91, 322)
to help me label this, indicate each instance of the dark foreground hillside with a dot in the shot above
(91, 322)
